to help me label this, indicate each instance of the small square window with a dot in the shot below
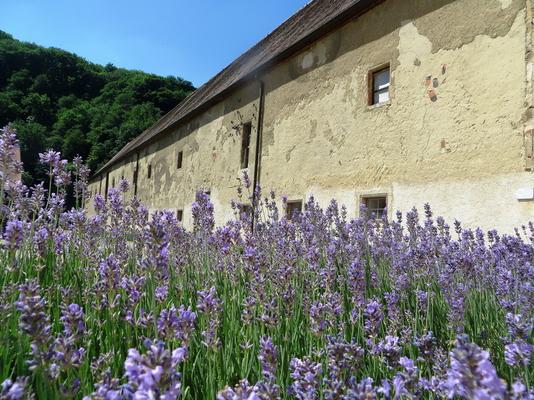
(245, 144)
(179, 159)
(375, 205)
(180, 215)
(379, 82)
(149, 172)
(293, 209)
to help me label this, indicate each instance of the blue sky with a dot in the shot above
(191, 39)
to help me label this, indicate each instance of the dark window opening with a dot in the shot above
(149, 173)
(375, 205)
(294, 208)
(179, 159)
(113, 183)
(134, 180)
(179, 215)
(107, 187)
(379, 81)
(245, 144)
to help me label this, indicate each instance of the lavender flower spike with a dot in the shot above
(17, 390)
(471, 374)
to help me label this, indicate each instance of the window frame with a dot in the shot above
(290, 210)
(371, 85)
(379, 213)
(180, 215)
(149, 172)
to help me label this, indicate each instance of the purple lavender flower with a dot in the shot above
(267, 389)
(178, 324)
(249, 304)
(342, 355)
(471, 374)
(242, 391)
(344, 358)
(40, 240)
(269, 315)
(426, 345)
(157, 238)
(306, 378)
(17, 390)
(519, 327)
(161, 293)
(73, 321)
(390, 349)
(519, 392)
(406, 382)
(202, 210)
(154, 374)
(208, 301)
(362, 390)
(65, 355)
(518, 353)
(373, 316)
(99, 204)
(124, 186)
(109, 272)
(246, 180)
(109, 388)
(34, 321)
(50, 157)
(209, 304)
(323, 313)
(268, 358)
(13, 234)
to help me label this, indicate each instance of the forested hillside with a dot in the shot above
(58, 100)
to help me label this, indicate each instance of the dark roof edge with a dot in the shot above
(358, 9)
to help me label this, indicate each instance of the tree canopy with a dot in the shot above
(56, 99)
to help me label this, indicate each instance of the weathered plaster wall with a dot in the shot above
(211, 146)
(462, 152)
(451, 134)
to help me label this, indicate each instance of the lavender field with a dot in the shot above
(127, 305)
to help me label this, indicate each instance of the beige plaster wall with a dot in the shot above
(211, 146)
(462, 151)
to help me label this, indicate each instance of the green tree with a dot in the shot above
(59, 100)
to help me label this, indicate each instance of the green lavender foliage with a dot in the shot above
(376, 287)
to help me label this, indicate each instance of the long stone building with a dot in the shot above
(391, 103)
